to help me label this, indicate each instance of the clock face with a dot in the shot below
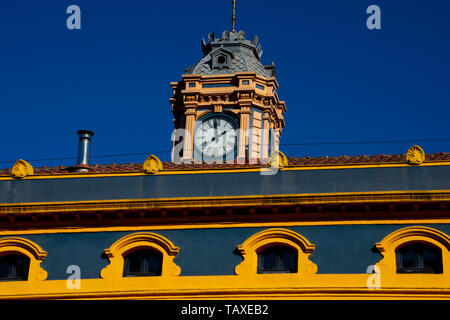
(215, 137)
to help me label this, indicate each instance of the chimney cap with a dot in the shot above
(88, 132)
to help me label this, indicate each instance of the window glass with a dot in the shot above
(277, 259)
(419, 258)
(14, 267)
(144, 262)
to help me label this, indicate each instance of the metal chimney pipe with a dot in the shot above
(84, 145)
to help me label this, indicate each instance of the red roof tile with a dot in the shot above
(293, 161)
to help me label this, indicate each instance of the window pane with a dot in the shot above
(290, 260)
(14, 267)
(269, 259)
(432, 259)
(4, 268)
(144, 262)
(277, 259)
(408, 257)
(134, 262)
(154, 264)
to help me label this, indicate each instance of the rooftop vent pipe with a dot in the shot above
(84, 146)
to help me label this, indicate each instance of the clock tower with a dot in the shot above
(226, 107)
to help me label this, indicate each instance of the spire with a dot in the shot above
(233, 18)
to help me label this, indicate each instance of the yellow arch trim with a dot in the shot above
(273, 236)
(29, 249)
(410, 234)
(139, 240)
(387, 246)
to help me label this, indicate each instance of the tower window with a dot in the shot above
(14, 267)
(277, 259)
(418, 258)
(144, 262)
(221, 59)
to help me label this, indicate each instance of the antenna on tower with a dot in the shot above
(233, 18)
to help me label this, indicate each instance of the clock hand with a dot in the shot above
(222, 133)
(216, 136)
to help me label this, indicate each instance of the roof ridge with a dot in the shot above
(294, 161)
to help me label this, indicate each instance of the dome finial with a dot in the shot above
(233, 18)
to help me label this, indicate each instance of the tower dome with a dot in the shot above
(230, 54)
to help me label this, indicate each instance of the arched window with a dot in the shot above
(144, 262)
(14, 267)
(414, 250)
(141, 254)
(274, 251)
(277, 259)
(20, 259)
(418, 258)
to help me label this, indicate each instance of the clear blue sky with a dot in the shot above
(341, 82)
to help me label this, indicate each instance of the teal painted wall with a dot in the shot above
(342, 249)
(226, 184)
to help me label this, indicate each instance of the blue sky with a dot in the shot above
(341, 82)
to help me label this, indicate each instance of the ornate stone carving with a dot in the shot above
(415, 155)
(278, 160)
(21, 169)
(152, 165)
(225, 35)
(190, 98)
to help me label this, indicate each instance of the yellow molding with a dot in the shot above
(226, 201)
(262, 286)
(223, 170)
(223, 225)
